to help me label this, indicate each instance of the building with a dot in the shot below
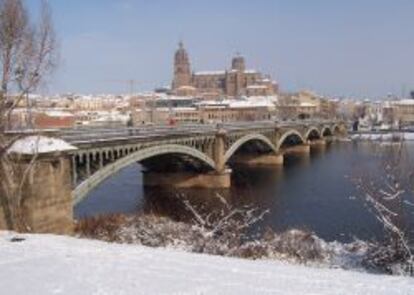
(176, 110)
(306, 104)
(236, 81)
(233, 111)
(41, 118)
(401, 111)
(53, 119)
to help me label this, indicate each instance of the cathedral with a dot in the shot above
(237, 81)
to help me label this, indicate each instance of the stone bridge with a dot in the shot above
(183, 156)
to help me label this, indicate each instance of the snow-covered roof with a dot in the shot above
(249, 104)
(57, 113)
(404, 102)
(173, 97)
(187, 87)
(250, 72)
(185, 109)
(113, 116)
(38, 144)
(257, 87)
(307, 104)
(212, 103)
(99, 113)
(208, 73)
(269, 99)
(177, 109)
(243, 102)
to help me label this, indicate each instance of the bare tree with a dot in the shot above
(390, 197)
(27, 56)
(229, 221)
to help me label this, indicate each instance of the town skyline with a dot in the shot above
(222, 147)
(335, 49)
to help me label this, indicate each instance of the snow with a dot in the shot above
(187, 87)
(47, 264)
(383, 136)
(176, 109)
(244, 102)
(308, 104)
(404, 102)
(250, 72)
(163, 96)
(38, 144)
(58, 113)
(257, 87)
(268, 99)
(113, 116)
(208, 73)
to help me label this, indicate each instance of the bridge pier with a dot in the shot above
(46, 194)
(219, 151)
(259, 160)
(213, 179)
(318, 144)
(302, 149)
(329, 139)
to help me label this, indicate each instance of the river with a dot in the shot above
(315, 192)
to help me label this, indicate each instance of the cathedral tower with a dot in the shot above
(238, 63)
(182, 71)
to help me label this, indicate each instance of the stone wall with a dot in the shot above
(2, 220)
(47, 195)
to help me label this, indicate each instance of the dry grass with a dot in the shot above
(103, 227)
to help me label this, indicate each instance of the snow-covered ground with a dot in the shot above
(47, 264)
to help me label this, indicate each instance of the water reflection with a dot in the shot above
(314, 192)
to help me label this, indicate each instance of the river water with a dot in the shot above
(315, 192)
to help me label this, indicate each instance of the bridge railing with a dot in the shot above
(88, 134)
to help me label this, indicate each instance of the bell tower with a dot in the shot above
(238, 63)
(182, 71)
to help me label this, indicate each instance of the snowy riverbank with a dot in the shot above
(47, 264)
(383, 137)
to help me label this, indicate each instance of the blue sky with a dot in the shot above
(342, 48)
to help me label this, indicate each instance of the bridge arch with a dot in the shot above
(288, 134)
(326, 131)
(230, 152)
(80, 192)
(312, 130)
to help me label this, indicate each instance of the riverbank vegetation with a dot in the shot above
(389, 196)
(225, 232)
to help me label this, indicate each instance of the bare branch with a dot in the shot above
(27, 57)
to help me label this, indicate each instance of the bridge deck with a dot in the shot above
(79, 136)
